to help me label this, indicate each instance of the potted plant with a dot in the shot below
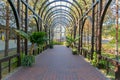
(74, 51)
(70, 41)
(35, 37)
(51, 45)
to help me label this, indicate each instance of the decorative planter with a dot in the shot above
(74, 51)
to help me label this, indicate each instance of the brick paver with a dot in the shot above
(58, 64)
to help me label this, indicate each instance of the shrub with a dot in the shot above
(101, 64)
(51, 45)
(74, 51)
(94, 61)
(27, 60)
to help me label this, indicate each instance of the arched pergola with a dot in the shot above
(68, 13)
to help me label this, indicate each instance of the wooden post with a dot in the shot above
(117, 72)
(0, 71)
(26, 28)
(9, 67)
(79, 36)
(92, 40)
(117, 23)
(18, 37)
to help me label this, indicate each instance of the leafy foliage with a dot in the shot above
(51, 45)
(102, 64)
(113, 34)
(27, 60)
(94, 61)
(35, 37)
(38, 37)
(74, 51)
(70, 41)
(22, 34)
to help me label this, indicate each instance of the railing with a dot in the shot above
(10, 61)
(39, 50)
(85, 53)
(112, 66)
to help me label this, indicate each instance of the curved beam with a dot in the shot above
(60, 9)
(55, 24)
(36, 20)
(61, 15)
(62, 22)
(42, 10)
(67, 24)
(101, 25)
(105, 10)
(55, 20)
(17, 18)
(59, 12)
(83, 22)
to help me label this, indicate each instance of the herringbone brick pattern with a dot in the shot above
(58, 64)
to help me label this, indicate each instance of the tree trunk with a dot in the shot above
(7, 29)
(117, 17)
(31, 49)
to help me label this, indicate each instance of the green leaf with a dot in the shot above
(22, 34)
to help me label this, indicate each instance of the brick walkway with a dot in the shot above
(58, 64)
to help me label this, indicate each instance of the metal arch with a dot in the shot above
(17, 18)
(61, 16)
(58, 11)
(58, 1)
(62, 9)
(63, 23)
(55, 19)
(53, 26)
(36, 20)
(67, 20)
(31, 9)
(84, 20)
(60, 23)
(65, 13)
(105, 10)
(67, 24)
(88, 17)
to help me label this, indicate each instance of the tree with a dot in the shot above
(7, 29)
(35, 37)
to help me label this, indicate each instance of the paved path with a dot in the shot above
(58, 64)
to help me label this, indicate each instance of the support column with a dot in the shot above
(79, 36)
(92, 40)
(117, 26)
(18, 37)
(99, 30)
(26, 28)
(40, 25)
